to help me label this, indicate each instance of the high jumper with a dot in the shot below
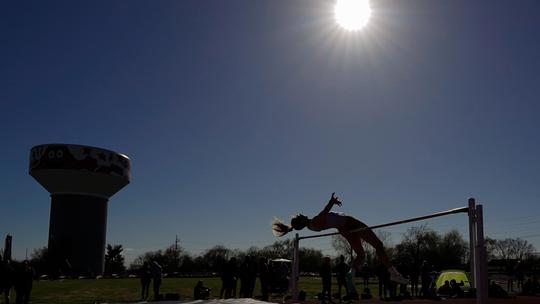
(348, 227)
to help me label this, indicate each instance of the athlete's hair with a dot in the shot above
(298, 222)
(279, 228)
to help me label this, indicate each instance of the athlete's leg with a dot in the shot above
(371, 238)
(355, 241)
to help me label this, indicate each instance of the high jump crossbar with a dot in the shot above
(414, 219)
(477, 260)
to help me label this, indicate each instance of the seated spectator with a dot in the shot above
(200, 292)
(445, 289)
(456, 291)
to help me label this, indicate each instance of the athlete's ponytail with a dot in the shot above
(280, 229)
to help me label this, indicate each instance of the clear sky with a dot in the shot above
(233, 112)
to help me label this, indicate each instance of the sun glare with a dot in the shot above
(352, 15)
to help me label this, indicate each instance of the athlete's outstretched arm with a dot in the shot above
(333, 201)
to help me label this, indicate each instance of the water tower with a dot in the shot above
(80, 179)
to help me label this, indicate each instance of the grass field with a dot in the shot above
(128, 290)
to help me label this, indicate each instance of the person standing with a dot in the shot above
(252, 275)
(24, 277)
(244, 277)
(341, 276)
(326, 276)
(384, 282)
(157, 273)
(264, 278)
(415, 273)
(230, 276)
(425, 277)
(146, 277)
(366, 273)
(510, 275)
(519, 272)
(6, 279)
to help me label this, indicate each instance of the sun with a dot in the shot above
(352, 15)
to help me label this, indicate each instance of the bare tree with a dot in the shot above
(521, 249)
(282, 249)
(385, 237)
(342, 247)
(511, 248)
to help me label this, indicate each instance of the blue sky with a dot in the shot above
(233, 112)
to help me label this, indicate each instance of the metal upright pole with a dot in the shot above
(481, 262)
(472, 240)
(293, 283)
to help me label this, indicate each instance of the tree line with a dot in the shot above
(418, 244)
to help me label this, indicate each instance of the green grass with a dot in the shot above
(128, 290)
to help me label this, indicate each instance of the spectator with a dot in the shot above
(425, 274)
(341, 274)
(519, 272)
(384, 280)
(444, 291)
(264, 277)
(244, 277)
(366, 273)
(223, 281)
(230, 276)
(326, 276)
(6, 279)
(400, 289)
(145, 276)
(252, 276)
(415, 273)
(200, 292)
(248, 275)
(24, 277)
(455, 289)
(156, 271)
(510, 275)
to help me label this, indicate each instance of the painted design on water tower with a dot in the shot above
(75, 157)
